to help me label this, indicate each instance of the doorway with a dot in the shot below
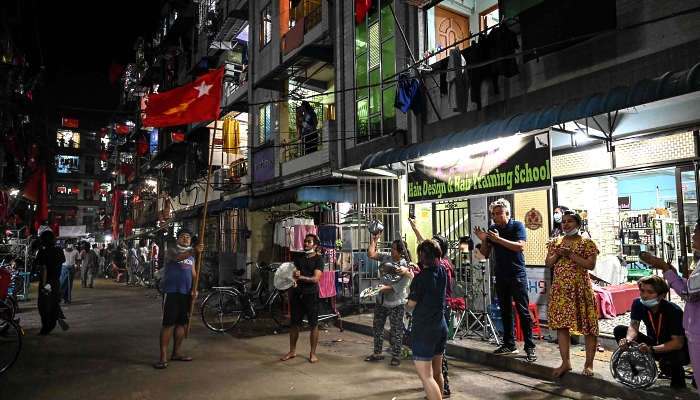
(450, 27)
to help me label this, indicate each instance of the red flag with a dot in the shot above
(117, 201)
(55, 228)
(107, 223)
(361, 9)
(141, 147)
(115, 70)
(10, 142)
(129, 226)
(95, 188)
(126, 169)
(177, 136)
(122, 128)
(33, 156)
(105, 155)
(36, 192)
(69, 122)
(195, 102)
(103, 132)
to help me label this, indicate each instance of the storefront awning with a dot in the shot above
(236, 202)
(191, 213)
(669, 85)
(312, 194)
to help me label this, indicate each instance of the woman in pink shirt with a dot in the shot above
(691, 312)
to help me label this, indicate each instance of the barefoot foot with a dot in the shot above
(289, 356)
(587, 371)
(558, 372)
(313, 359)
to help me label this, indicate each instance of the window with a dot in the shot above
(265, 123)
(89, 165)
(67, 164)
(68, 139)
(266, 25)
(488, 17)
(375, 61)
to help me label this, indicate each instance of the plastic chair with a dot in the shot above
(536, 328)
(118, 271)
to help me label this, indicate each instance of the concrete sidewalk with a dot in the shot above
(473, 349)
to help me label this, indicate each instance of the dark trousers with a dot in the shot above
(511, 290)
(671, 364)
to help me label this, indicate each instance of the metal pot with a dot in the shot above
(375, 227)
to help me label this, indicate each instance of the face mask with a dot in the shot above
(557, 217)
(184, 248)
(70, 246)
(310, 251)
(651, 303)
(572, 232)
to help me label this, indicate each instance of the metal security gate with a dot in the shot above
(377, 198)
(451, 220)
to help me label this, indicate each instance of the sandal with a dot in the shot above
(374, 358)
(395, 362)
(600, 347)
(181, 358)
(161, 365)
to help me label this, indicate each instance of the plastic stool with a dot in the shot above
(532, 307)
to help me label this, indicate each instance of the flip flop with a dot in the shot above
(395, 362)
(374, 358)
(600, 347)
(181, 358)
(161, 365)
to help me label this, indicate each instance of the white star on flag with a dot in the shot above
(203, 89)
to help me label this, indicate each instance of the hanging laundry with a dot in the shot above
(442, 66)
(232, 136)
(456, 84)
(477, 53)
(327, 235)
(300, 232)
(504, 43)
(408, 94)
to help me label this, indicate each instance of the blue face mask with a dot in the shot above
(651, 303)
(557, 218)
(70, 246)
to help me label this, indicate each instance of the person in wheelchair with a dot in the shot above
(665, 338)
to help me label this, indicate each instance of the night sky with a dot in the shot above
(77, 42)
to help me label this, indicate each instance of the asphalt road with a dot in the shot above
(112, 344)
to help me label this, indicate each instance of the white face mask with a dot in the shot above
(572, 232)
(184, 248)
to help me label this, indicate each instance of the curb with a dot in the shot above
(574, 381)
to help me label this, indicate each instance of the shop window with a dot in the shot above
(375, 61)
(266, 25)
(265, 123)
(68, 139)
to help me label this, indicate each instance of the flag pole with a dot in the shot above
(198, 265)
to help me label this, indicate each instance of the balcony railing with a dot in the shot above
(306, 144)
(310, 10)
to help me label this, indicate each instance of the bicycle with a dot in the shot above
(223, 309)
(10, 339)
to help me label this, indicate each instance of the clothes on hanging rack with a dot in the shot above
(327, 235)
(457, 84)
(477, 53)
(408, 94)
(504, 42)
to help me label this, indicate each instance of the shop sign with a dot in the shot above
(512, 164)
(65, 190)
(264, 165)
(624, 203)
(537, 287)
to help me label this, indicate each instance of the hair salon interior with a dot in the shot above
(433, 108)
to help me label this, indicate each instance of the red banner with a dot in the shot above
(69, 122)
(177, 136)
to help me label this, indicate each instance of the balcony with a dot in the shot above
(303, 146)
(303, 156)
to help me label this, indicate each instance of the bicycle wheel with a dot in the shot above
(10, 342)
(221, 311)
(18, 285)
(11, 305)
(159, 285)
(279, 309)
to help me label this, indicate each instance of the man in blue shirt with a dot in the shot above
(179, 293)
(506, 238)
